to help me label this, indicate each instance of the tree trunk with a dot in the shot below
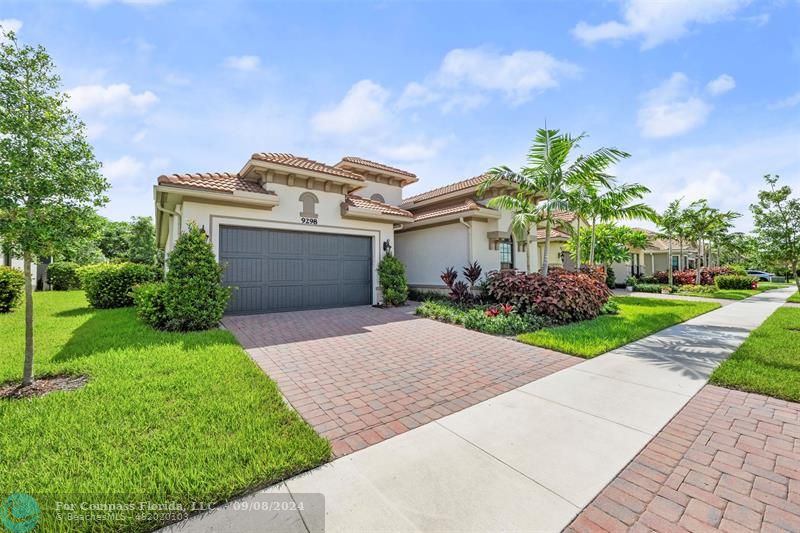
(592, 243)
(700, 257)
(27, 371)
(680, 254)
(546, 253)
(669, 262)
(578, 246)
(528, 246)
(794, 273)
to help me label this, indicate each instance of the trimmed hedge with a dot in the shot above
(687, 277)
(63, 276)
(12, 282)
(649, 287)
(149, 301)
(194, 298)
(392, 279)
(734, 282)
(109, 285)
(479, 319)
(561, 296)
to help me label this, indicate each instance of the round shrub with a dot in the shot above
(392, 279)
(194, 298)
(149, 301)
(561, 296)
(63, 276)
(12, 282)
(109, 285)
(734, 282)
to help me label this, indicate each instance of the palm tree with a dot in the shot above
(669, 224)
(615, 204)
(525, 216)
(549, 175)
(703, 220)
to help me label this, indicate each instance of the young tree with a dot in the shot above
(114, 239)
(550, 174)
(613, 243)
(669, 224)
(777, 224)
(142, 241)
(49, 178)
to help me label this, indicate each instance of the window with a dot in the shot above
(377, 198)
(676, 261)
(310, 202)
(506, 248)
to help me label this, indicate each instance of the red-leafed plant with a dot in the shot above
(449, 277)
(561, 295)
(473, 273)
(507, 308)
(492, 312)
(688, 277)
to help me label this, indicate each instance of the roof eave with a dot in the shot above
(362, 213)
(243, 197)
(289, 169)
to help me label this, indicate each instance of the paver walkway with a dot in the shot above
(360, 375)
(729, 461)
(526, 460)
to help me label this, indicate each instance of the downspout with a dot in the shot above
(469, 238)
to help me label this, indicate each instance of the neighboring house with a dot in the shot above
(38, 271)
(656, 258)
(299, 234)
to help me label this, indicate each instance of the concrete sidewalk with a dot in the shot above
(527, 460)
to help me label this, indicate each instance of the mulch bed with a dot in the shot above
(42, 386)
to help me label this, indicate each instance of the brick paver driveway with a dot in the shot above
(360, 374)
(729, 461)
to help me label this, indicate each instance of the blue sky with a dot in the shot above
(705, 94)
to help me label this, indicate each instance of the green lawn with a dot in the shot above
(769, 360)
(164, 416)
(794, 298)
(724, 294)
(638, 317)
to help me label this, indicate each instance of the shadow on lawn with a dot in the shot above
(120, 330)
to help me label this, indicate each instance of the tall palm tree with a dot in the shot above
(525, 216)
(702, 221)
(549, 175)
(614, 203)
(669, 224)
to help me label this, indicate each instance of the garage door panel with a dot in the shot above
(246, 269)
(284, 243)
(355, 270)
(322, 244)
(279, 270)
(323, 270)
(243, 242)
(283, 269)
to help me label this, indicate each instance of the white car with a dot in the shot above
(760, 275)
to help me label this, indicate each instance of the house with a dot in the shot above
(655, 257)
(295, 233)
(38, 270)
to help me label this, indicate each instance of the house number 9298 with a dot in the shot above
(308, 220)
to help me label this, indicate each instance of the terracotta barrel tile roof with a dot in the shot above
(386, 209)
(566, 216)
(291, 160)
(554, 234)
(379, 166)
(447, 189)
(461, 207)
(213, 181)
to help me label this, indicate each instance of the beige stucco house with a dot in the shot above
(295, 233)
(656, 258)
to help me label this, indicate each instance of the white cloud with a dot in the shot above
(655, 22)
(109, 99)
(721, 84)
(8, 25)
(790, 101)
(362, 109)
(413, 151)
(243, 63)
(463, 102)
(124, 168)
(728, 173)
(518, 75)
(670, 109)
(415, 95)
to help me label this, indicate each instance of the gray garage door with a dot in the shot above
(277, 270)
